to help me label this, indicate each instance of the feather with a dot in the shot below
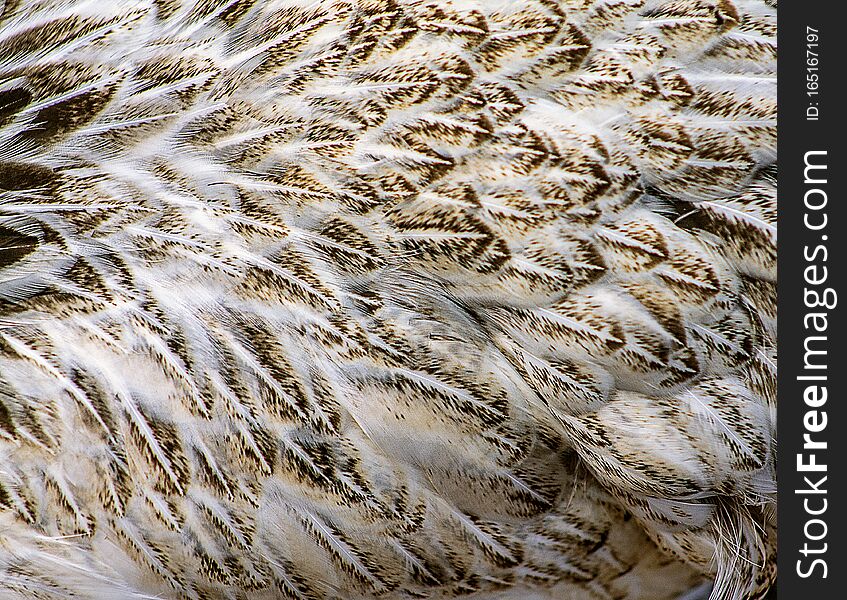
(338, 299)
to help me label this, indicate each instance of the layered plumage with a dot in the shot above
(387, 298)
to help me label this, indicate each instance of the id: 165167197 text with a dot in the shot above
(812, 76)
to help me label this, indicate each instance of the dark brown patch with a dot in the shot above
(14, 246)
(49, 35)
(22, 176)
(11, 101)
(63, 117)
(165, 8)
(233, 13)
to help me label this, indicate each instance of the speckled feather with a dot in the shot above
(387, 299)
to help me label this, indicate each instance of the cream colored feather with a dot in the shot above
(387, 299)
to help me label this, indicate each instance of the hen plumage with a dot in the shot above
(387, 298)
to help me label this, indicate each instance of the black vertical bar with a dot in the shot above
(812, 239)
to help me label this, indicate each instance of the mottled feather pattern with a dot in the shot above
(387, 299)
